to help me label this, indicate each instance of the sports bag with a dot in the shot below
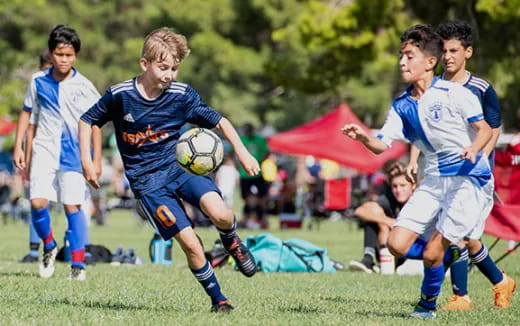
(293, 255)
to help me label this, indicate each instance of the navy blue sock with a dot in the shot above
(431, 286)
(487, 266)
(228, 236)
(459, 274)
(416, 250)
(209, 282)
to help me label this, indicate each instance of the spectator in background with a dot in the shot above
(227, 179)
(379, 215)
(253, 188)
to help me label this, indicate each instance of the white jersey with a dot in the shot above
(56, 108)
(439, 124)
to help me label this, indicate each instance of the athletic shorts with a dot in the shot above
(66, 187)
(164, 209)
(478, 231)
(453, 204)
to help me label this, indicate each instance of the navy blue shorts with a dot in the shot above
(164, 209)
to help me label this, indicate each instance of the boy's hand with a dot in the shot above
(89, 171)
(19, 158)
(354, 131)
(249, 163)
(411, 172)
(469, 154)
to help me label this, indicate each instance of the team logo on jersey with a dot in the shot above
(141, 137)
(435, 111)
(128, 117)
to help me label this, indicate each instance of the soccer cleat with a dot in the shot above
(355, 265)
(503, 292)
(422, 313)
(458, 303)
(117, 257)
(222, 306)
(243, 258)
(77, 274)
(29, 259)
(46, 267)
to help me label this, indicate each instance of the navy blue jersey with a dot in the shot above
(488, 98)
(147, 130)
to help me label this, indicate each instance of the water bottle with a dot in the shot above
(161, 251)
(386, 261)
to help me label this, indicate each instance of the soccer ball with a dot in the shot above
(199, 151)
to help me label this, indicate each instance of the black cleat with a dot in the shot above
(222, 306)
(243, 258)
(29, 259)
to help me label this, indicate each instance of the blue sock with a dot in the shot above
(76, 236)
(487, 266)
(228, 236)
(209, 282)
(41, 220)
(33, 236)
(416, 250)
(459, 274)
(431, 286)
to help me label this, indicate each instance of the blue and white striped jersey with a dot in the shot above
(439, 124)
(147, 130)
(55, 108)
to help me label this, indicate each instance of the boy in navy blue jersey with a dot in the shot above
(458, 40)
(148, 112)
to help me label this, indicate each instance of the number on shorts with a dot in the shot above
(165, 215)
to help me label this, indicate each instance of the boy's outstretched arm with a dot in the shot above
(249, 163)
(89, 171)
(483, 136)
(355, 132)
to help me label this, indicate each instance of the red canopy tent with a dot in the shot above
(322, 138)
(6, 126)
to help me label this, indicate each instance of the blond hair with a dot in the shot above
(161, 43)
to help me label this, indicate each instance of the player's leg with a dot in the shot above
(503, 285)
(459, 282)
(72, 194)
(369, 249)
(166, 214)
(34, 245)
(200, 191)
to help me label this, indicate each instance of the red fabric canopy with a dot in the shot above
(504, 222)
(6, 127)
(322, 138)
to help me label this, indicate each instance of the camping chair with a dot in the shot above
(336, 200)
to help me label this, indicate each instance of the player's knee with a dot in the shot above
(396, 247)
(38, 203)
(432, 257)
(222, 217)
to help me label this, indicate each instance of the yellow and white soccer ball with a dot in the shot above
(199, 151)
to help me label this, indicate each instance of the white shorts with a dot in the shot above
(66, 187)
(453, 204)
(489, 190)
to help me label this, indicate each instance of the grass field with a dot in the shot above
(170, 295)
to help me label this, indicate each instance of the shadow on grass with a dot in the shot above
(18, 274)
(301, 309)
(105, 305)
(369, 303)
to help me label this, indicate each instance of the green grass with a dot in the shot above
(170, 295)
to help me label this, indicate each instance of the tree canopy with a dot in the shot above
(265, 61)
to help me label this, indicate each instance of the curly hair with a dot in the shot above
(456, 30)
(425, 38)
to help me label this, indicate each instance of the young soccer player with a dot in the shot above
(445, 121)
(55, 99)
(458, 40)
(148, 112)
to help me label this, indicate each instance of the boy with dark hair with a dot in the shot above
(458, 48)
(148, 112)
(445, 121)
(55, 99)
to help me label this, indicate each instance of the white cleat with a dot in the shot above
(77, 274)
(46, 266)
